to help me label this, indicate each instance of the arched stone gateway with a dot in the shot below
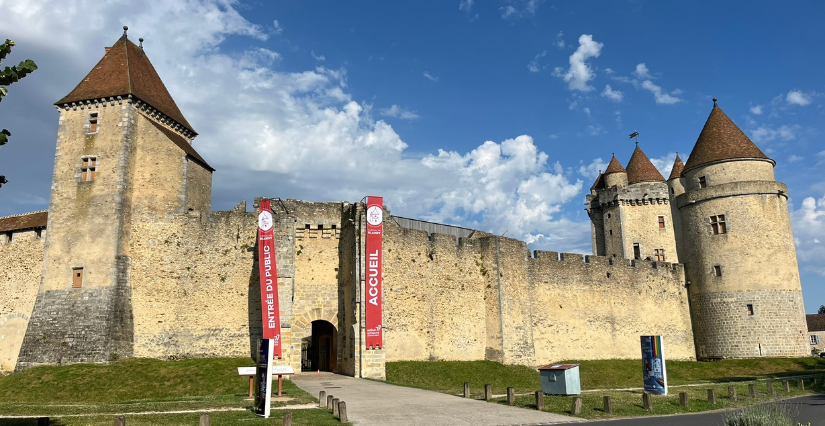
(317, 331)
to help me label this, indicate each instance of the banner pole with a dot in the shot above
(268, 401)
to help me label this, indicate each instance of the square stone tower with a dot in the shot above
(124, 151)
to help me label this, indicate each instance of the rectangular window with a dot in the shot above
(659, 255)
(610, 232)
(718, 225)
(6, 238)
(703, 183)
(814, 339)
(637, 251)
(88, 169)
(661, 222)
(93, 122)
(38, 234)
(77, 277)
(750, 309)
(717, 270)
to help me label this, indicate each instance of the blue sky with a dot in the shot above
(495, 115)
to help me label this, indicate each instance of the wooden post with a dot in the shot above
(712, 396)
(576, 409)
(732, 393)
(539, 400)
(608, 405)
(466, 389)
(204, 420)
(752, 390)
(770, 388)
(342, 412)
(288, 419)
(43, 421)
(511, 396)
(335, 402)
(322, 398)
(120, 421)
(329, 402)
(786, 386)
(280, 384)
(800, 384)
(488, 392)
(683, 400)
(647, 401)
(251, 386)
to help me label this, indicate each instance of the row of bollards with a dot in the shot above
(338, 407)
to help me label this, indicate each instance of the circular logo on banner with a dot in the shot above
(265, 221)
(375, 215)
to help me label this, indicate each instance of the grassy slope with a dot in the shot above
(141, 385)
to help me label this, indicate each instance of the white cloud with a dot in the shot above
(613, 95)
(399, 112)
(795, 159)
(296, 134)
(767, 134)
(465, 5)
(595, 129)
(533, 66)
(429, 76)
(517, 9)
(559, 43)
(319, 58)
(579, 72)
(277, 28)
(660, 96)
(665, 163)
(796, 97)
(592, 170)
(756, 110)
(809, 225)
(641, 72)
(586, 111)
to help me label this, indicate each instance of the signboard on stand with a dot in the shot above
(374, 278)
(653, 365)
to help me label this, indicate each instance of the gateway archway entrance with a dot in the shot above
(319, 351)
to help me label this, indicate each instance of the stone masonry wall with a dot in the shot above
(21, 263)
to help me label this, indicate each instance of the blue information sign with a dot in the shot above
(653, 365)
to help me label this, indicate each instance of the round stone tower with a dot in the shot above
(740, 261)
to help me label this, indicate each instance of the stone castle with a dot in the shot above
(130, 260)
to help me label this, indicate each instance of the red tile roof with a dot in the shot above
(599, 183)
(614, 167)
(24, 221)
(816, 322)
(640, 169)
(722, 140)
(678, 166)
(125, 70)
(183, 144)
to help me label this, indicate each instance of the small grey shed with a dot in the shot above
(560, 379)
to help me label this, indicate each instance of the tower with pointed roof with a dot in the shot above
(630, 212)
(738, 249)
(124, 157)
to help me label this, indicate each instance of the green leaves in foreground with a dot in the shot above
(10, 75)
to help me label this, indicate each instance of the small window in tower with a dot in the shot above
(703, 183)
(610, 232)
(718, 224)
(659, 255)
(637, 251)
(38, 233)
(307, 226)
(320, 226)
(672, 191)
(608, 215)
(717, 270)
(661, 222)
(814, 339)
(750, 309)
(93, 117)
(88, 169)
(77, 277)
(334, 226)
(6, 238)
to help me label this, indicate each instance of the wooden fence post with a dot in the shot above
(576, 409)
(511, 396)
(322, 398)
(732, 393)
(770, 388)
(488, 392)
(712, 396)
(288, 419)
(801, 384)
(539, 400)
(342, 412)
(335, 402)
(647, 401)
(683, 399)
(752, 390)
(608, 405)
(466, 389)
(120, 421)
(329, 402)
(204, 420)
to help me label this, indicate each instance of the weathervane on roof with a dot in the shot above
(635, 135)
(125, 28)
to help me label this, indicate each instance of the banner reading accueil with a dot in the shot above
(653, 364)
(375, 280)
(270, 312)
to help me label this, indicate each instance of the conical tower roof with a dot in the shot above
(678, 166)
(722, 140)
(125, 70)
(599, 183)
(614, 166)
(640, 169)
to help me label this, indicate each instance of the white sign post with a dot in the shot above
(268, 401)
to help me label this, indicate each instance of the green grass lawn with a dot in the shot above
(144, 385)
(606, 377)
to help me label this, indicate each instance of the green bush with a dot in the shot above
(770, 414)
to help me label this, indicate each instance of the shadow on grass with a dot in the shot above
(29, 422)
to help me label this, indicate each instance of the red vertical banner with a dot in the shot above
(374, 278)
(270, 312)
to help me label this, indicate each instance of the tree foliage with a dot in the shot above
(821, 309)
(8, 76)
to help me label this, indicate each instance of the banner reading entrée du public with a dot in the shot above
(375, 280)
(270, 312)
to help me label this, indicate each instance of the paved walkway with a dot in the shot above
(374, 403)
